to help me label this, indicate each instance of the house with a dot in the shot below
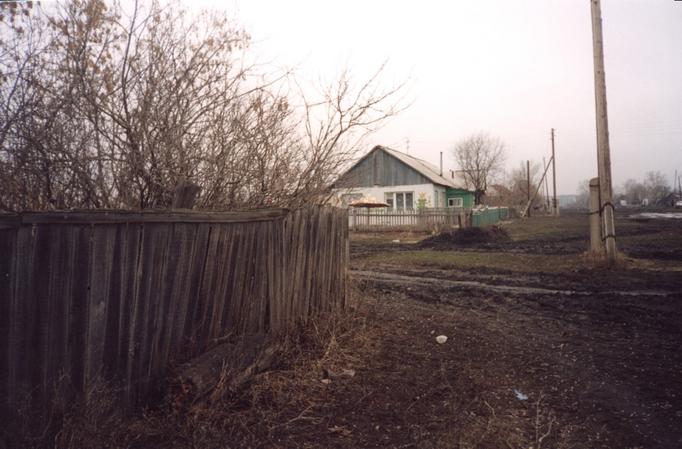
(673, 199)
(402, 181)
(498, 195)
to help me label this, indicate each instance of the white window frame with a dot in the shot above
(456, 202)
(394, 197)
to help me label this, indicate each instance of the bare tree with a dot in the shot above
(108, 107)
(634, 192)
(652, 190)
(656, 185)
(517, 182)
(480, 158)
(582, 199)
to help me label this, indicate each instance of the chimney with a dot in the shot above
(441, 163)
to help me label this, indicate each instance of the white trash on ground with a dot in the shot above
(441, 339)
(520, 396)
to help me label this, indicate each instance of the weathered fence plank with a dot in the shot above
(8, 244)
(111, 296)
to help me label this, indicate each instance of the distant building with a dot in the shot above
(671, 200)
(401, 181)
(498, 195)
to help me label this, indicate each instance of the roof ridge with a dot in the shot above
(426, 168)
(407, 154)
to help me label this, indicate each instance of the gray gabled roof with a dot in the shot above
(430, 171)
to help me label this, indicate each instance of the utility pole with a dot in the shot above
(528, 184)
(603, 150)
(547, 198)
(555, 205)
(526, 211)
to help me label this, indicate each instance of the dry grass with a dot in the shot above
(274, 400)
(526, 263)
(299, 403)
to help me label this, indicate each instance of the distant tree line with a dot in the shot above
(652, 190)
(103, 106)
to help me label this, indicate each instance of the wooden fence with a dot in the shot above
(111, 295)
(365, 219)
(489, 216)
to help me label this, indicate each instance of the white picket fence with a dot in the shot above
(365, 219)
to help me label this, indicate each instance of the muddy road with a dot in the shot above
(600, 348)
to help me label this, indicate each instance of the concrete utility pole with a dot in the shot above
(596, 245)
(603, 150)
(555, 205)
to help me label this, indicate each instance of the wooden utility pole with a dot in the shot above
(546, 192)
(555, 205)
(526, 211)
(603, 150)
(528, 183)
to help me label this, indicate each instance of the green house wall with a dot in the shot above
(467, 196)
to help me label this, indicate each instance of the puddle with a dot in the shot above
(664, 215)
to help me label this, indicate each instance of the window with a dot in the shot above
(388, 199)
(455, 202)
(408, 201)
(399, 200)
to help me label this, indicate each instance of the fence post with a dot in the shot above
(185, 195)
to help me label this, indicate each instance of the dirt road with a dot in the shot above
(600, 348)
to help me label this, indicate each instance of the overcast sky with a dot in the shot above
(512, 68)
